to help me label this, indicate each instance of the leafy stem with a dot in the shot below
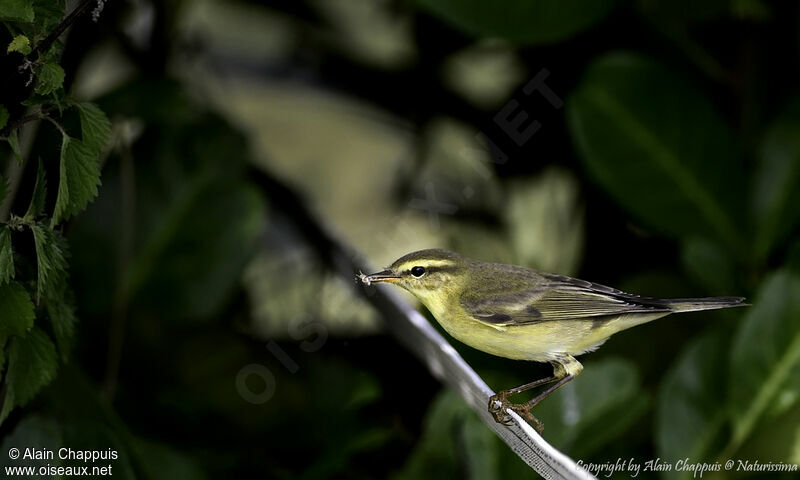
(47, 42)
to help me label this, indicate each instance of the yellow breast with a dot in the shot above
(537, 341)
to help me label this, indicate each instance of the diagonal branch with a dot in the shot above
(47, 42)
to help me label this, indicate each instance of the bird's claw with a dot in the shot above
(499, 407)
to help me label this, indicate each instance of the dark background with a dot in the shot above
(671, 169)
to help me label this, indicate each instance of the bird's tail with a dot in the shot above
(709, 303)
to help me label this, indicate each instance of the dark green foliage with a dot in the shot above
(16, 309)
(776, 196)
(33, 256)
(32, 364)
(49, 78)
(629, 118)
(690, 421)
(17, 10)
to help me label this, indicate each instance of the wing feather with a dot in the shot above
(550, 298)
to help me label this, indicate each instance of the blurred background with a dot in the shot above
(649, 145)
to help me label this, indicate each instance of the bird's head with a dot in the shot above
(425, 274)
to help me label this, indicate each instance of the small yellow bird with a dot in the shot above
(522, 314)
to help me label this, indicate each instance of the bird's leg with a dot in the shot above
(498, 403)
(565, 368)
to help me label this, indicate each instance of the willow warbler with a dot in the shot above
(522, 314)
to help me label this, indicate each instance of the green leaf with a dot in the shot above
(79, 179)
(59, 303)
(776, 195)
(49, 257)
(3, 116)
(36, 207)
(690, 415)
(21, 44)
(95, 127)
(776, 437)
(50, 78)
(48, 14)
(32, 364)
(16, 10)
(657, 146)
(522, 21)
(16, 311)
(6, 255)
(765, 354)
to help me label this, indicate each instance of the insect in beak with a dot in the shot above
(384, 276)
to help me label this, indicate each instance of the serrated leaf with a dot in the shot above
(95, 127)
(60, 308)
(49, 257)
(21, 44)
(766, 353)
(629, 120)
(49, 14)
(50, 77)
(16, 10)
(36, 206)
(32, 364)
(6, 255)
(3, 116)
(79, 179)
(16, 311)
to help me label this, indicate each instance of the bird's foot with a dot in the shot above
(499, 407)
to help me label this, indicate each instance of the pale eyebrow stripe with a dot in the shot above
(428, 263)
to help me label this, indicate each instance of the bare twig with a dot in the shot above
(6, 131)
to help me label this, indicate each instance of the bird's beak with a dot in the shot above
(384, 276)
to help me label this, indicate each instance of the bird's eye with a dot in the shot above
(418, 271)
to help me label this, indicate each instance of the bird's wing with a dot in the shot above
(555, 297)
